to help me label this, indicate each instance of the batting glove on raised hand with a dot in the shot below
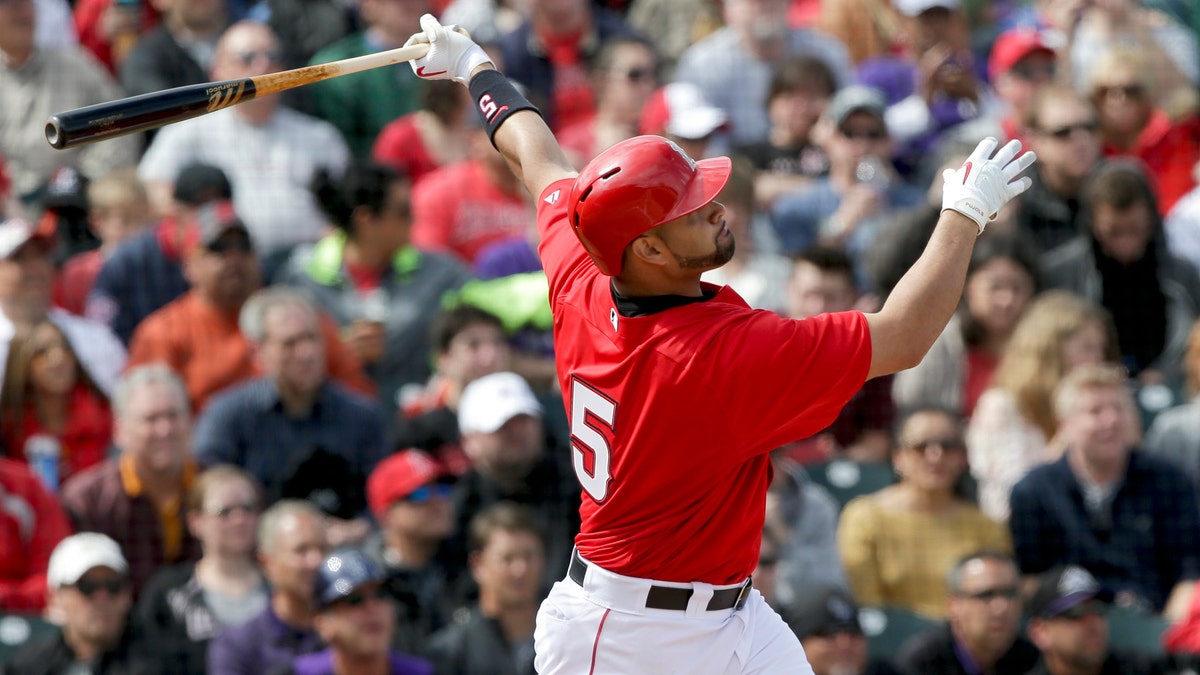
(983, 184)
(452, 54)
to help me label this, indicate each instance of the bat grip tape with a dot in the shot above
(495, 99)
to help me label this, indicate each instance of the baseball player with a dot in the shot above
(676, 390)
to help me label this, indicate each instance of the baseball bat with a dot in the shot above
(159, 108)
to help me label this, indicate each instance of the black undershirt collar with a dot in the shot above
(631, 307)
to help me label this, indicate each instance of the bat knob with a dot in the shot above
(54, 133)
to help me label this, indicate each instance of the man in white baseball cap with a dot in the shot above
(90, 595)
(505, 438)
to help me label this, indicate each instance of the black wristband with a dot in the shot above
(495, 99)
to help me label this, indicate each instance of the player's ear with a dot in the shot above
(649, 248)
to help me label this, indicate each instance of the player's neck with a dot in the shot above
(634, 284)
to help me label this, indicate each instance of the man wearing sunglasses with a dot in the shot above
(90, 594)
(843, 209)
(354, 616)
(982, 634)
(1067, 622)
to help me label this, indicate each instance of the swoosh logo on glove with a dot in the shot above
(421, 72)
(966, 167)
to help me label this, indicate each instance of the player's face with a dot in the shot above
(930, 453)
(699, 241)
(985, 613)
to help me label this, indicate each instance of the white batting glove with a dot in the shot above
(983, 184)
(452, 54)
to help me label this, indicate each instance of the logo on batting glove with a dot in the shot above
(421, 72)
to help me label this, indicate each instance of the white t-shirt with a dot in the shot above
(270, 168)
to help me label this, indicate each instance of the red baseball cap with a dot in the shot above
(1013, 45)
(397, 477)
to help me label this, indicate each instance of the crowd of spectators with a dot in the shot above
(278, 393)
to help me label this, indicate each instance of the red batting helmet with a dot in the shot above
(632, 188)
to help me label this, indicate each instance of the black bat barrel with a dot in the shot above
(145, 111)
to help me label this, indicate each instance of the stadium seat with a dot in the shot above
(888, 628)
(846, 479)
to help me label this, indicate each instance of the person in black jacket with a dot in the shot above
(184, 606)
(507, 554)
(982, 634)
(88, 582)
(1067, 622)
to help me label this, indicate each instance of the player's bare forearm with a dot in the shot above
(530, 148)
(921, 305)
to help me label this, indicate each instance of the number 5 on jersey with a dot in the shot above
(591, 453)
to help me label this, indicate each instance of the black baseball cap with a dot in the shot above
(201, 183)
(343, 572)
(1062, 588)
(823, 611)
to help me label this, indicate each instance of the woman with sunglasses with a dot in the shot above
(1132, 124)
(185, 606)
(898, 544)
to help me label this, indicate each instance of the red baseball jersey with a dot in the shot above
(673, 414)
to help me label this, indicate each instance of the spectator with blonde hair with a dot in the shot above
(1123, 84)
(118, 208)
(184, 606)
(1013, 427)
(1129, 518)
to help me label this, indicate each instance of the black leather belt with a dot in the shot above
(666, 597)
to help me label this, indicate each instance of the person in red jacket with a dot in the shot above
(32, 522)
(47, 392)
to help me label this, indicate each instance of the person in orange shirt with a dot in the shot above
(197, 335)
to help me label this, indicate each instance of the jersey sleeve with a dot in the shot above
(560, 251)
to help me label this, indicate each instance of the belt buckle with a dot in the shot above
(743, 594)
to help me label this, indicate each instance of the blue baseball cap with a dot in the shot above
(344, 571)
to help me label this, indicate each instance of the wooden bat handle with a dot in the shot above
(149, 111)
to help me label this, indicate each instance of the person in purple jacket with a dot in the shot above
(356, 618)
